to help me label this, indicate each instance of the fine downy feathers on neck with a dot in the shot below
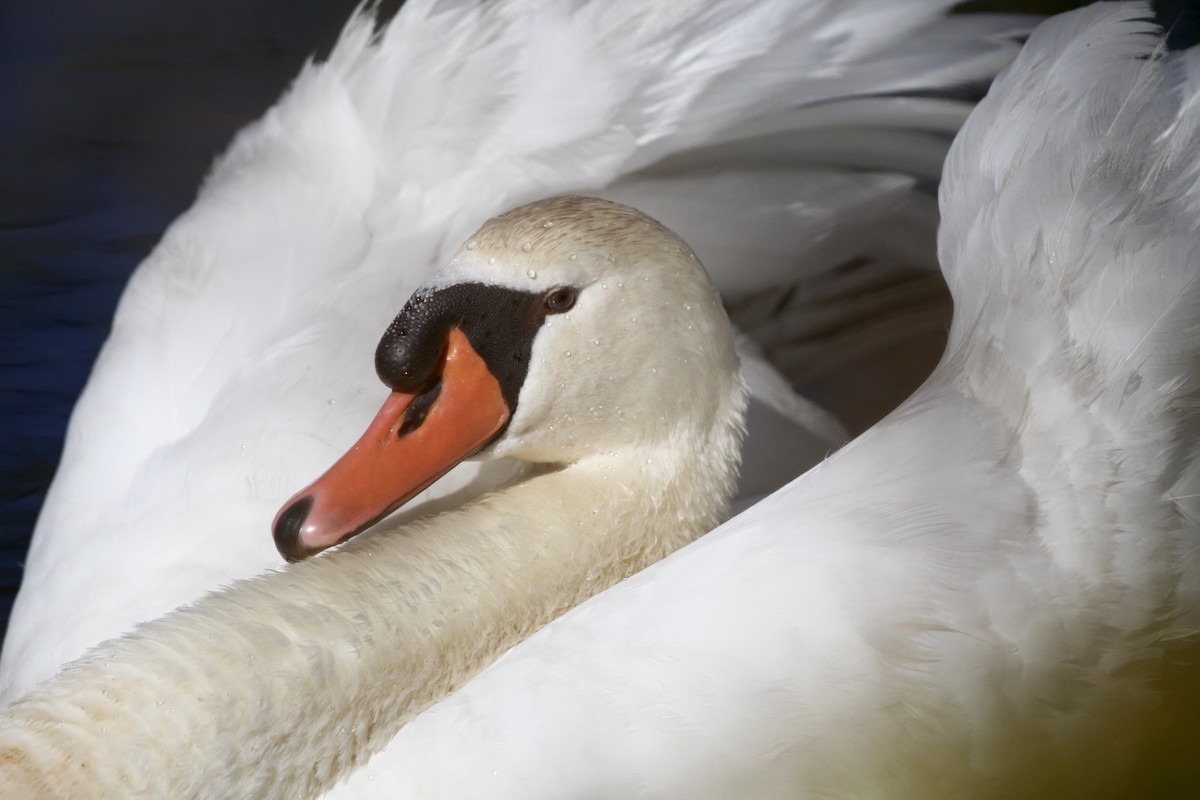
(281, 684)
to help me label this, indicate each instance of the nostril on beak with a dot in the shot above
(287, 529)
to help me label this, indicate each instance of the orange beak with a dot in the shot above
(410, 444)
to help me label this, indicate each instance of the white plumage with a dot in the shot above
(239, 362)
(993, 592)
(990, 594)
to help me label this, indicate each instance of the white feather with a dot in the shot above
(994, 592)
(239, 363)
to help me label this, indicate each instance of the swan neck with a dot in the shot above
(287, 681)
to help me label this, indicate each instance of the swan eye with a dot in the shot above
(560, 299)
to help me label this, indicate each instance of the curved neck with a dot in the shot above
(281, 684)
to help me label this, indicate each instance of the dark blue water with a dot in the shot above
(109, 116)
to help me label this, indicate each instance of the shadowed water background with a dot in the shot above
(110, 114)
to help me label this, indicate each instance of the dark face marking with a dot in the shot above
(500, 324)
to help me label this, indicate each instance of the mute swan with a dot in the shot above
(1011, 611)
(993, 593)
(731, 120)
(525, 344)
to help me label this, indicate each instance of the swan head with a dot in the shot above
(563, 330)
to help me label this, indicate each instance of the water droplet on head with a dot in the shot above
(526, 247)
(567, 353)
(471, 245)
(547, 224)
(532, 273)
(491, 259)
(609, 258)
(572, 257)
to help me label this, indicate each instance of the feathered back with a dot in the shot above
(1110, 119)
(1096, 251)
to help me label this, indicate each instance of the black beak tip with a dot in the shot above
(287, 529)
